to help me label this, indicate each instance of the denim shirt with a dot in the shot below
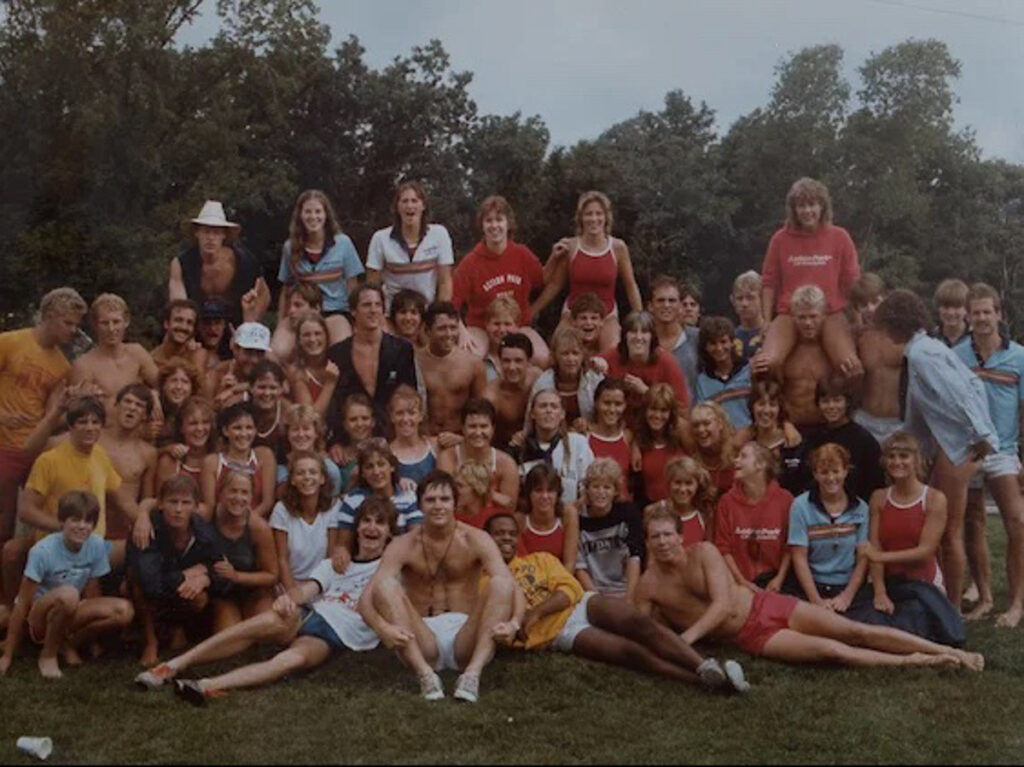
(945, 400)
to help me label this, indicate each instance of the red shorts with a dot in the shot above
(15, 465)
(769, 614)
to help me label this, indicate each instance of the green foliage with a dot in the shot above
(112, 135)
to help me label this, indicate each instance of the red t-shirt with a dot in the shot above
(694, 530)
(754, 533)
(482, 276)
(479, 519)
(652, 470)
(552, 541)
(825, 257)
(664, 369)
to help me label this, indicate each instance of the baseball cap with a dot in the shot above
(212, 309)
(253, 335)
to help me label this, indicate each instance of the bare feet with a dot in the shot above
(1010, 618)
(927, 659)
(71, 656)
(48, 668)
(974, 661)
(980, 611)
(149, 655)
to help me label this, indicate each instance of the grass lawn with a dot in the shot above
(364, 708)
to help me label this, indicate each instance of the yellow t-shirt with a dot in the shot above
(540, 575)
(28, 373)
(66, 468)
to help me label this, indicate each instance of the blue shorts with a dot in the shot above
(314, 625)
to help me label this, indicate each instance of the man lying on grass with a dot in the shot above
(425, 601)
(693, 590)
(60, 597)
(315, 618)
(552, 610)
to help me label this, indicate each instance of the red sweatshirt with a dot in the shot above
(664, 369)
(825, 257)
(754, 533)
(482, 276)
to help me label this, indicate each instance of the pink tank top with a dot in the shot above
(594, 272)
(899, 528)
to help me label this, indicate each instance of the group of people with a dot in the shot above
(405, 460)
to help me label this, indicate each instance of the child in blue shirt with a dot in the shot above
(59, 597)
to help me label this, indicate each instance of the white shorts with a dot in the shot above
(995, 465)
(445, 627)
(576, 623)
(880, 428)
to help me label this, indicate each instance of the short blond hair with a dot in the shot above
(476, 475)
(109, 301)
(749, 280)
(604, 469)
(951, 292)
(504, 305)
(808, 297)
(62, 301)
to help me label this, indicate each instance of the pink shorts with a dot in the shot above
(15, 465)
(769, 614)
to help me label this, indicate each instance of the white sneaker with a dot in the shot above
(711, 674)
(431, 687)
(734, 671)
(467, 688)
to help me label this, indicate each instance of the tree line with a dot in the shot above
(111, 134)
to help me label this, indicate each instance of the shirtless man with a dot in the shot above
(217, 266)
(113, 364)
(807, 363)
(425, 601)
(510, 394)
(693, 591)
(945, 406)
(133, 458)
(180, 320)
(879, 411)
(675, 337)
(370, 361)
(228, 383)
(450, 375)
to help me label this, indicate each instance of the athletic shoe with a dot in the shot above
(734, 671)
(431, 687)
(154, 677)
(467, 688)
(711, 674)
(190, 691)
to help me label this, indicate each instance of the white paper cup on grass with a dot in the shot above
(41, 748)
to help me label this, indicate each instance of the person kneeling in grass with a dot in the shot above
(314, 618)
(693, 591)
(63, 568)
(552, 610)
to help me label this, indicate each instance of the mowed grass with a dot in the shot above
(363, 708)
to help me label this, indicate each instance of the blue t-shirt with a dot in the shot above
(731, 394)
(1003, 376)
(330, 273)
(405, 504)
(749, 341)
(831, 542)
(52, 564)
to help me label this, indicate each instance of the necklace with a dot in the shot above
(437, 568)
(277, 417)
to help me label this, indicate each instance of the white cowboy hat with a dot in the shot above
(212, 214)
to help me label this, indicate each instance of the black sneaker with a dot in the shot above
(190, 691)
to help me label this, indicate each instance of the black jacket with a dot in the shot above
(158, 568)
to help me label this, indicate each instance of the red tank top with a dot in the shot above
(616, 448)
(694, 529)
(551, 541)
(652, 467)
(250, 467)
(899, 528)
(314, 386)
(479, 519)
(594, 272)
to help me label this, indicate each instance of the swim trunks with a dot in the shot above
(769, 614)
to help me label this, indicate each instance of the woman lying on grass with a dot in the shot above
(313, 618)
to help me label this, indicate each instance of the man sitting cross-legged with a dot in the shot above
(552, 610)
(314, 618)
(694, 592)
(425, 600)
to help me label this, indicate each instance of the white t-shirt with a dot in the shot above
(339, 595)
(307, 543)
(389, 256)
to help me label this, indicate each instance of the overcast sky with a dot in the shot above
(583, 65)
